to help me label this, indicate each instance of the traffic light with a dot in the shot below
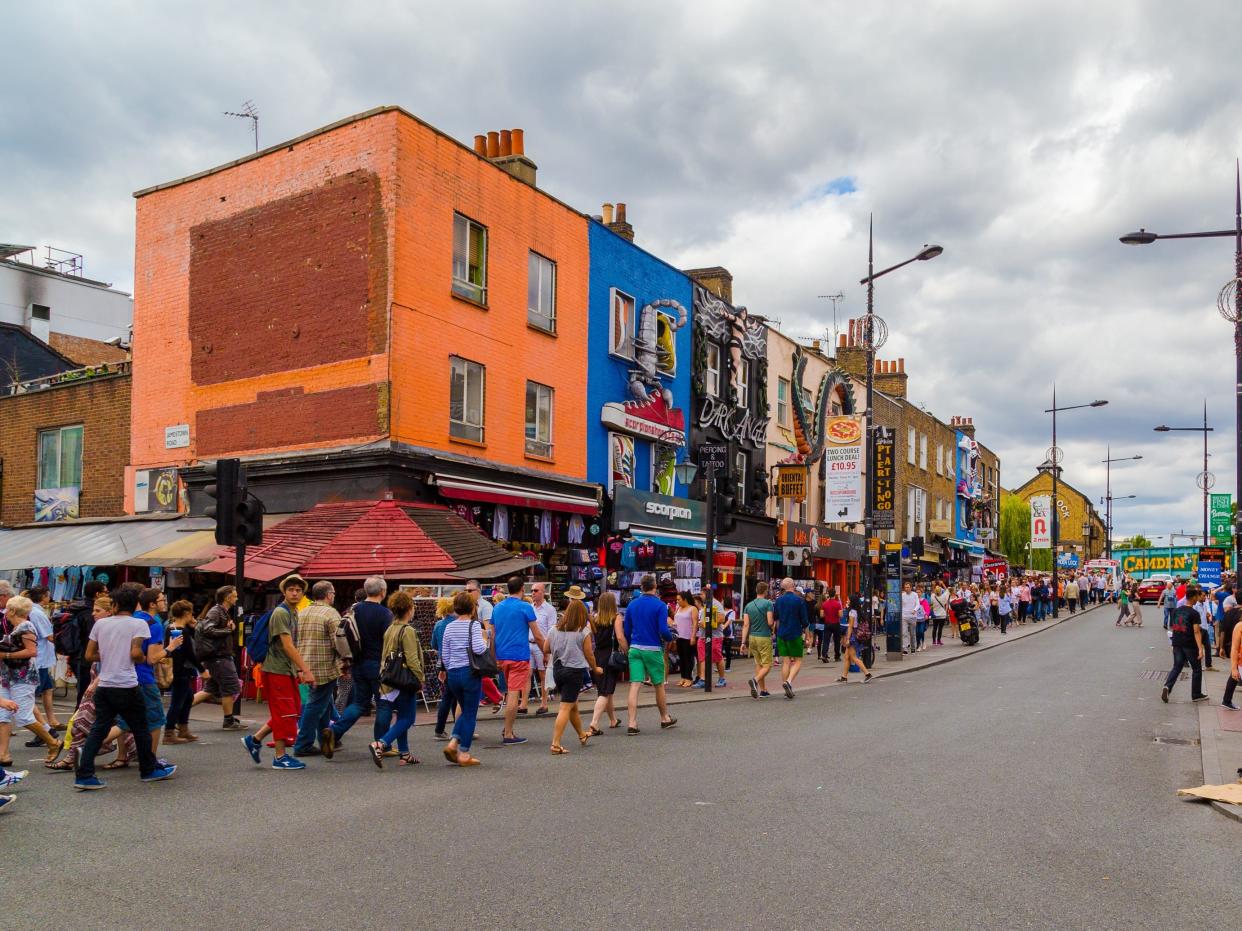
(248, 521)
(726, 521)
(916, 546)
(227, 492)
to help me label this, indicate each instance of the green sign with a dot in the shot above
(1219, 520)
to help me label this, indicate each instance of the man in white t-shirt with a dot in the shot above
(910, 609)
(116, 642)
(545, 617)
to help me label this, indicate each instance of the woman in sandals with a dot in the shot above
(569, 644)
(399, 637)
(604, 640)
(19, 678)
(462, 636)
(853, 645)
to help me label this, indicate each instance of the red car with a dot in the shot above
(1149, 589)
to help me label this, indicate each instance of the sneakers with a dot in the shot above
(789, 692)
(512, 741)
(1164, 694)
(698, 684)
(754, 687)
(1225, 704)
(12, 779)
(1198, 698)
(89, 784)
(253, 747)
(287, 762)
(668, 725)
(234, 724)
(159, 775)
(720, 683)
(442, 736)
(6, 802)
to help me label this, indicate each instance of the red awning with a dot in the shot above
(356, 539)
(515, 496)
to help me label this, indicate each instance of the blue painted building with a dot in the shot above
(638, 366)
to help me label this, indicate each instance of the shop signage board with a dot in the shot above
(882, 516)
(714, 455)
(648, 510)
(177, 436)
(791, 482)
(941, 527)
(1067, 560)
(1220, 524)
(1211, 563)
(843, 470)
(1041, 523)
(998, 568)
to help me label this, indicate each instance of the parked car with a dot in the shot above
(1149, 589)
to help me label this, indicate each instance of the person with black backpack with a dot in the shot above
(857, 639)
(74, 634)
(214, 637)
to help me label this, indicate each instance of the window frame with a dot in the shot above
(911, 443)
(626, 351)
(546, 451)
(536, 261)
(461, 429)
(59, 433)
(711, 378)
(923, 451)
(782, 403)
(743, 383)
(741, 462)
(464, 287)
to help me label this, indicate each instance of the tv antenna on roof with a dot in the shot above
(836, 299)
(249, 112)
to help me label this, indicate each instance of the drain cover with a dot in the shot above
(1160, 674)
(1179, 741)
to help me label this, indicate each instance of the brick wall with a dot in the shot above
(102, 406)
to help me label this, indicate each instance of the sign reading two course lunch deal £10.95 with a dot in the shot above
(843, 471)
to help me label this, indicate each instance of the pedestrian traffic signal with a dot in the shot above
(225, 490)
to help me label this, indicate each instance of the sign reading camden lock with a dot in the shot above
(734, 423)
(644, 509)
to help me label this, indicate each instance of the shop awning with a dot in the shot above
(974, 549)
(698, 543)
(92, 542)
(356, 539)
(192, 549)
(766, 555)
(469, 489)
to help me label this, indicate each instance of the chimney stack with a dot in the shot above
(619, 225)
(891, 377)
(716, 279)
(506, 149)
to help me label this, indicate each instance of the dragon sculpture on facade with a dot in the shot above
(645, 378)
(809, 424)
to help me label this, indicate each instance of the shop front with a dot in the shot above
(665, 535)
(830, 557)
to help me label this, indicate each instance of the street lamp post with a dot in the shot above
(1108, 495)
(1053, 456)
(1206, 480)
(870, 326)
(1107, 501)
(1229, 303)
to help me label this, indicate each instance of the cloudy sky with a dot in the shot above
(1023, 137)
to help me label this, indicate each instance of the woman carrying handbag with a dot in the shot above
(401, 679)
(465, 658)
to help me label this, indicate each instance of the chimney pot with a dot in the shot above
(841, 340)
(493, 144)
(518, 137)
(607, 208)
(506, 142)
(901, 365)
(851, 337)
(620, 213)
(480, 145)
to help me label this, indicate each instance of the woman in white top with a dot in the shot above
(569, 644)
(462, 636)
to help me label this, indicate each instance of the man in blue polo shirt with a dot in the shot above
(789, 613)
(645, 631)
(515, 624)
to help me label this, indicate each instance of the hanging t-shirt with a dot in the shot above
(612, 552)
(645, 555)
(500, 523)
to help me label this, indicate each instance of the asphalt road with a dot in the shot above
(1019, 788)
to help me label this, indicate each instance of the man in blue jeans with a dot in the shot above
(372, 619)
(317, 627)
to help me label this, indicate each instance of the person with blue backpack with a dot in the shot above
(273, 641)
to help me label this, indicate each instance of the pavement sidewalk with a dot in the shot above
(1220, 737)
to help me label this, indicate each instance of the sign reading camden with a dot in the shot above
(734, 423)
(630, 507)
(843, 471)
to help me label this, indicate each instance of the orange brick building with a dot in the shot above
(370, 308)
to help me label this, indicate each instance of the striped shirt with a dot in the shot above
(453, 646)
